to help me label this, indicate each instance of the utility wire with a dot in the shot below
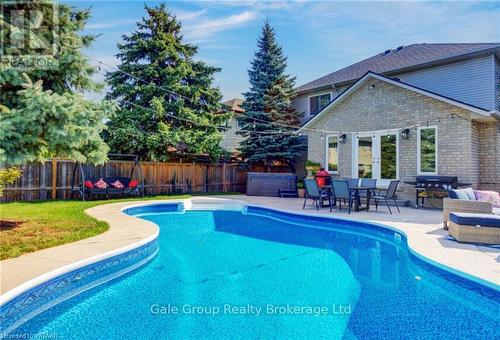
(264, 121)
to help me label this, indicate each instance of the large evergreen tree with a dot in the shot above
(270, 119)
(73, 72)
(43, 113)
(168, 105)
(47, 124)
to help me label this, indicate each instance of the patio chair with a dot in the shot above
(341, 191)
(368, 183)
(313, 192)
(390, 195)
(353, 182)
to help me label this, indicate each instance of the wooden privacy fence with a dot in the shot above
(53, 178)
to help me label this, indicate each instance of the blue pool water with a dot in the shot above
(264, 274)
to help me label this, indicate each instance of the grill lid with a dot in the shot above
(438, 179)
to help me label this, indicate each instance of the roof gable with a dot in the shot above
(482, 113)
(235, 105)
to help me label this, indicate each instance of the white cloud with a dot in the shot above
(208, 28)
(185, 15)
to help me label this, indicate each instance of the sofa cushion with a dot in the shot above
(484, 220)
(117, 184)
(470, 193)
(101, 184)
(123, 180)
(488, 196)
(462, 194)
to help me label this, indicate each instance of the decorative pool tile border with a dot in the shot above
(45, 295)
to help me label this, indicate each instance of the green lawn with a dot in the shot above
(51, 223)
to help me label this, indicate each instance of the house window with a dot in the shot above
(427, 150)
(239, 123)
(332, 155)
(317, 103)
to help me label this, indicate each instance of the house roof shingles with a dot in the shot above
(235, 105)
(408, 57)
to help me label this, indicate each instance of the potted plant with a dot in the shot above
(312, 167)
(301, 191)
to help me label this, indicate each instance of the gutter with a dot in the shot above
(495, 114)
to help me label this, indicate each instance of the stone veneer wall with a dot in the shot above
(489, 156)
(387, 106)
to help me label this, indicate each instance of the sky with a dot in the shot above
(318, 37)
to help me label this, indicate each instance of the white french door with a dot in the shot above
(376, 155)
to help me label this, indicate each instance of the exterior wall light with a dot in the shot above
(405, 134)
(343, 138)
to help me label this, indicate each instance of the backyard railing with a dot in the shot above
(39, 183)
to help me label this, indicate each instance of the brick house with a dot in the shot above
(436, 118)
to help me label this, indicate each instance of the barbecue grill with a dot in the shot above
(433, 187)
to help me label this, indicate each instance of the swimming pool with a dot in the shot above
(263, 273)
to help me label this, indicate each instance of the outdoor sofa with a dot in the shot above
(472, 216)
(474, 228)
(466, 201)
(128, 187)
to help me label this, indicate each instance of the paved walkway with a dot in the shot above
(423, 228)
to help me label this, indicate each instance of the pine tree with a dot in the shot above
(47, 124)
(270, 119)
(43, 113)
(168, 105)
(74, 71)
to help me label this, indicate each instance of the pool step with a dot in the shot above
(209, 203)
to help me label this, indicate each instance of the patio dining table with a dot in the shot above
(357, 200)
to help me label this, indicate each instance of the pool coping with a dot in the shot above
(125, 233)
(141, 231)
